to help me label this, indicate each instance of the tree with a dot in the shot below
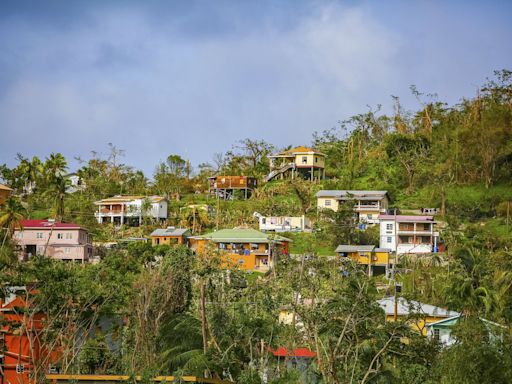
(11, 215)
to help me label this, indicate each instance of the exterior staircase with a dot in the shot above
(279, 171)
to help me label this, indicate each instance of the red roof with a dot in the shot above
(297, 352)
(44, 224)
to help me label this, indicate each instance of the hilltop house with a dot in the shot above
(418, 315)
(128, 210)
(297, 162)
(283, 223)
(248, 249)
(367, 204)
(226, 187)
(376, 260)
(62, 241)
(408, 234)
(5, 192)
(170, 236)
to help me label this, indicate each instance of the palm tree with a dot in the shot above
(55, 165)
(30, 171)
(57, 189)
(194, 217)
(10, 217)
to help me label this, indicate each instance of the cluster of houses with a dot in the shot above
(255, 250)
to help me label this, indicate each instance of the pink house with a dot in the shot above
(63, 241)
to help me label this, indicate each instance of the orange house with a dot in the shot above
(19, 339)
(170, 236)
(245, 248)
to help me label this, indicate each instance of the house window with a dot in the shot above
(304, 159)
(69, 236)
(67, 250)
(20, 368)
(39, 235)
(222, 246)
(316, 159)
(370, 216)
(40, 250)
(263, 220)
(389, 227)
(60, 235)
(327, 203)
(436, 334)
(254, 246)
(389, 239)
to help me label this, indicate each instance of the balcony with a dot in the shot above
(413, 232)
(367, 207)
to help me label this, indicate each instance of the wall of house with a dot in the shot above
(169, 240)
(413, 248)
(445, 335)
(63, 244)
(321, 203)
(417, 324)
(159, 210)
(377, 258)
(387, 235)
(310, 161)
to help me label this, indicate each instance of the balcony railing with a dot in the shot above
(419, 232)
(367, 207)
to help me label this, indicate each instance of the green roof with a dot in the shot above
(238, 235)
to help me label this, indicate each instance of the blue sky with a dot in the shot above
(193, 77)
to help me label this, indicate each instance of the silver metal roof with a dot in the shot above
(169, 232)
(341, 194)
(354, 248)
(406, 307)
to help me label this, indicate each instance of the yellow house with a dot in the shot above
(367, 204)
(300, 161)
(5, 192)
(376, 259)
(170, 236)
(245, 248)
(417, 314)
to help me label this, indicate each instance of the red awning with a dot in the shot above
(297, 352)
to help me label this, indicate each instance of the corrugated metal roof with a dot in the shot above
(406, 307)
(401, 218)
(126, 199)
(171, 232)
(354, 248)
(361, 195)
(298, 151)
(45, 224)
(242, 235)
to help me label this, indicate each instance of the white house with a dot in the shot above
(408, 234)
(283, 223)
(121, 210)
(367, 204)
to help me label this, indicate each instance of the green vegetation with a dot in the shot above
(165, 310)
